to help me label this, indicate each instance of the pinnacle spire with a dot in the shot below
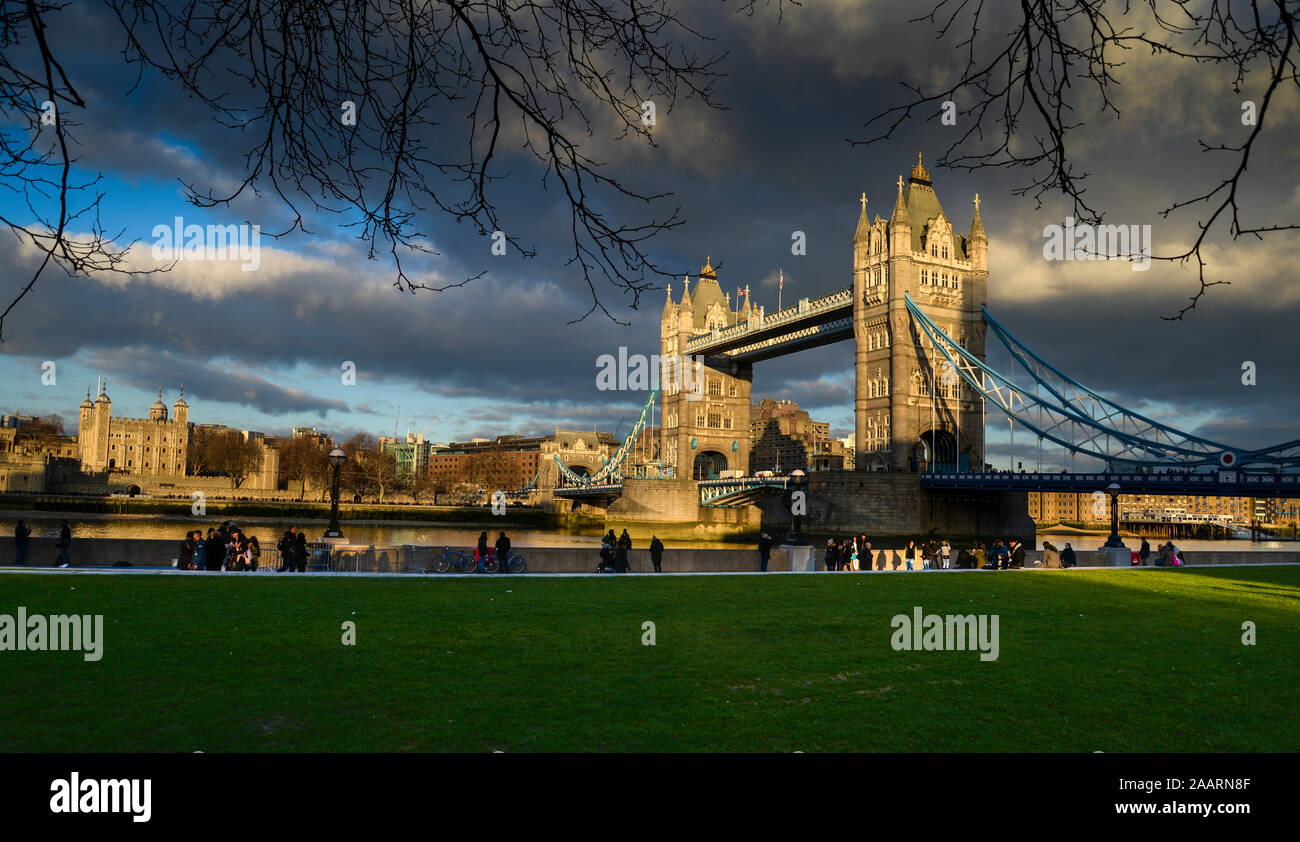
(899, 216)
(977, 224)
(864, 223)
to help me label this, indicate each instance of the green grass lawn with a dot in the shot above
(1112, 660)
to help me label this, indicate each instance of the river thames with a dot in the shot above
(45, 527)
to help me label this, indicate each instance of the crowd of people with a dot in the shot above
(856, 553)
(227, 547)
(614, 553)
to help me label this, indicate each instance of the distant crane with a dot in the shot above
(420, 437)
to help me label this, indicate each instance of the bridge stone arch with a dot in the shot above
(708, 464)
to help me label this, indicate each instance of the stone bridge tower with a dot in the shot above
(704, 410)
(898, 372)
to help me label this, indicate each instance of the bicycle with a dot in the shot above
(451, 558)
(493, 564)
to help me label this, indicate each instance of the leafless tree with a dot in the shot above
(235, 457)
(442, 93)
(37, 154)
(1030, 68)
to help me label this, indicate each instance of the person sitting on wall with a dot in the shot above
(997, 558)
(1067, 557)
(1017, 554)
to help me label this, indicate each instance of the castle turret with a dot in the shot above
(85, 426)
(158, 411)
(181, 410)
(103, 412)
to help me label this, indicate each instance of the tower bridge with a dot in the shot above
(916, 313)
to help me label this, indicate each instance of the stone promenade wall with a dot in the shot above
(105, 552)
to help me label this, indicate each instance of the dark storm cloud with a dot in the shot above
(149, 369)
(747, 178)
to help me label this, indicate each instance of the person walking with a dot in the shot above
(300, 553)
(481, 551)
(764, 551)
(254, 553)
(64, 541)
(186, 557)
(214, 555)
(621, 549)
(22, 535)
(909, 554)
(831, 556)
(656, 553)
(1144, 552)
(503, 553)
(945, 556)
(285, 546)
(200, 550)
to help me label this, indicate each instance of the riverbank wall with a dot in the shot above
(108, 552)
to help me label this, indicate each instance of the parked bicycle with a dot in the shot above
(463, 562)
(517, 564)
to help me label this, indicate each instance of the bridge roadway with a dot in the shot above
(725, 492)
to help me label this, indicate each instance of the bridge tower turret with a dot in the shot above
(911, 412)
(704, 402)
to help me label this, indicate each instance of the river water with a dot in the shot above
(45, 526)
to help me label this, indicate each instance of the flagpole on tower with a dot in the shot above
(780, 286)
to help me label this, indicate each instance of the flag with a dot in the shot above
(781, 285)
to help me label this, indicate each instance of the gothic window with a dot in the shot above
(731, 390)
(715, 420)
(925, 276)
(715, 387)
(699, 417)
(945, 251)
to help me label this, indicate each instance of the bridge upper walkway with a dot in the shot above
(1221, 483)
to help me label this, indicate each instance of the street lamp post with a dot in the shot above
(795, 538)
(1114, 540)
(337, 458)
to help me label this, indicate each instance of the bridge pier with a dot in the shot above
(891, 505)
